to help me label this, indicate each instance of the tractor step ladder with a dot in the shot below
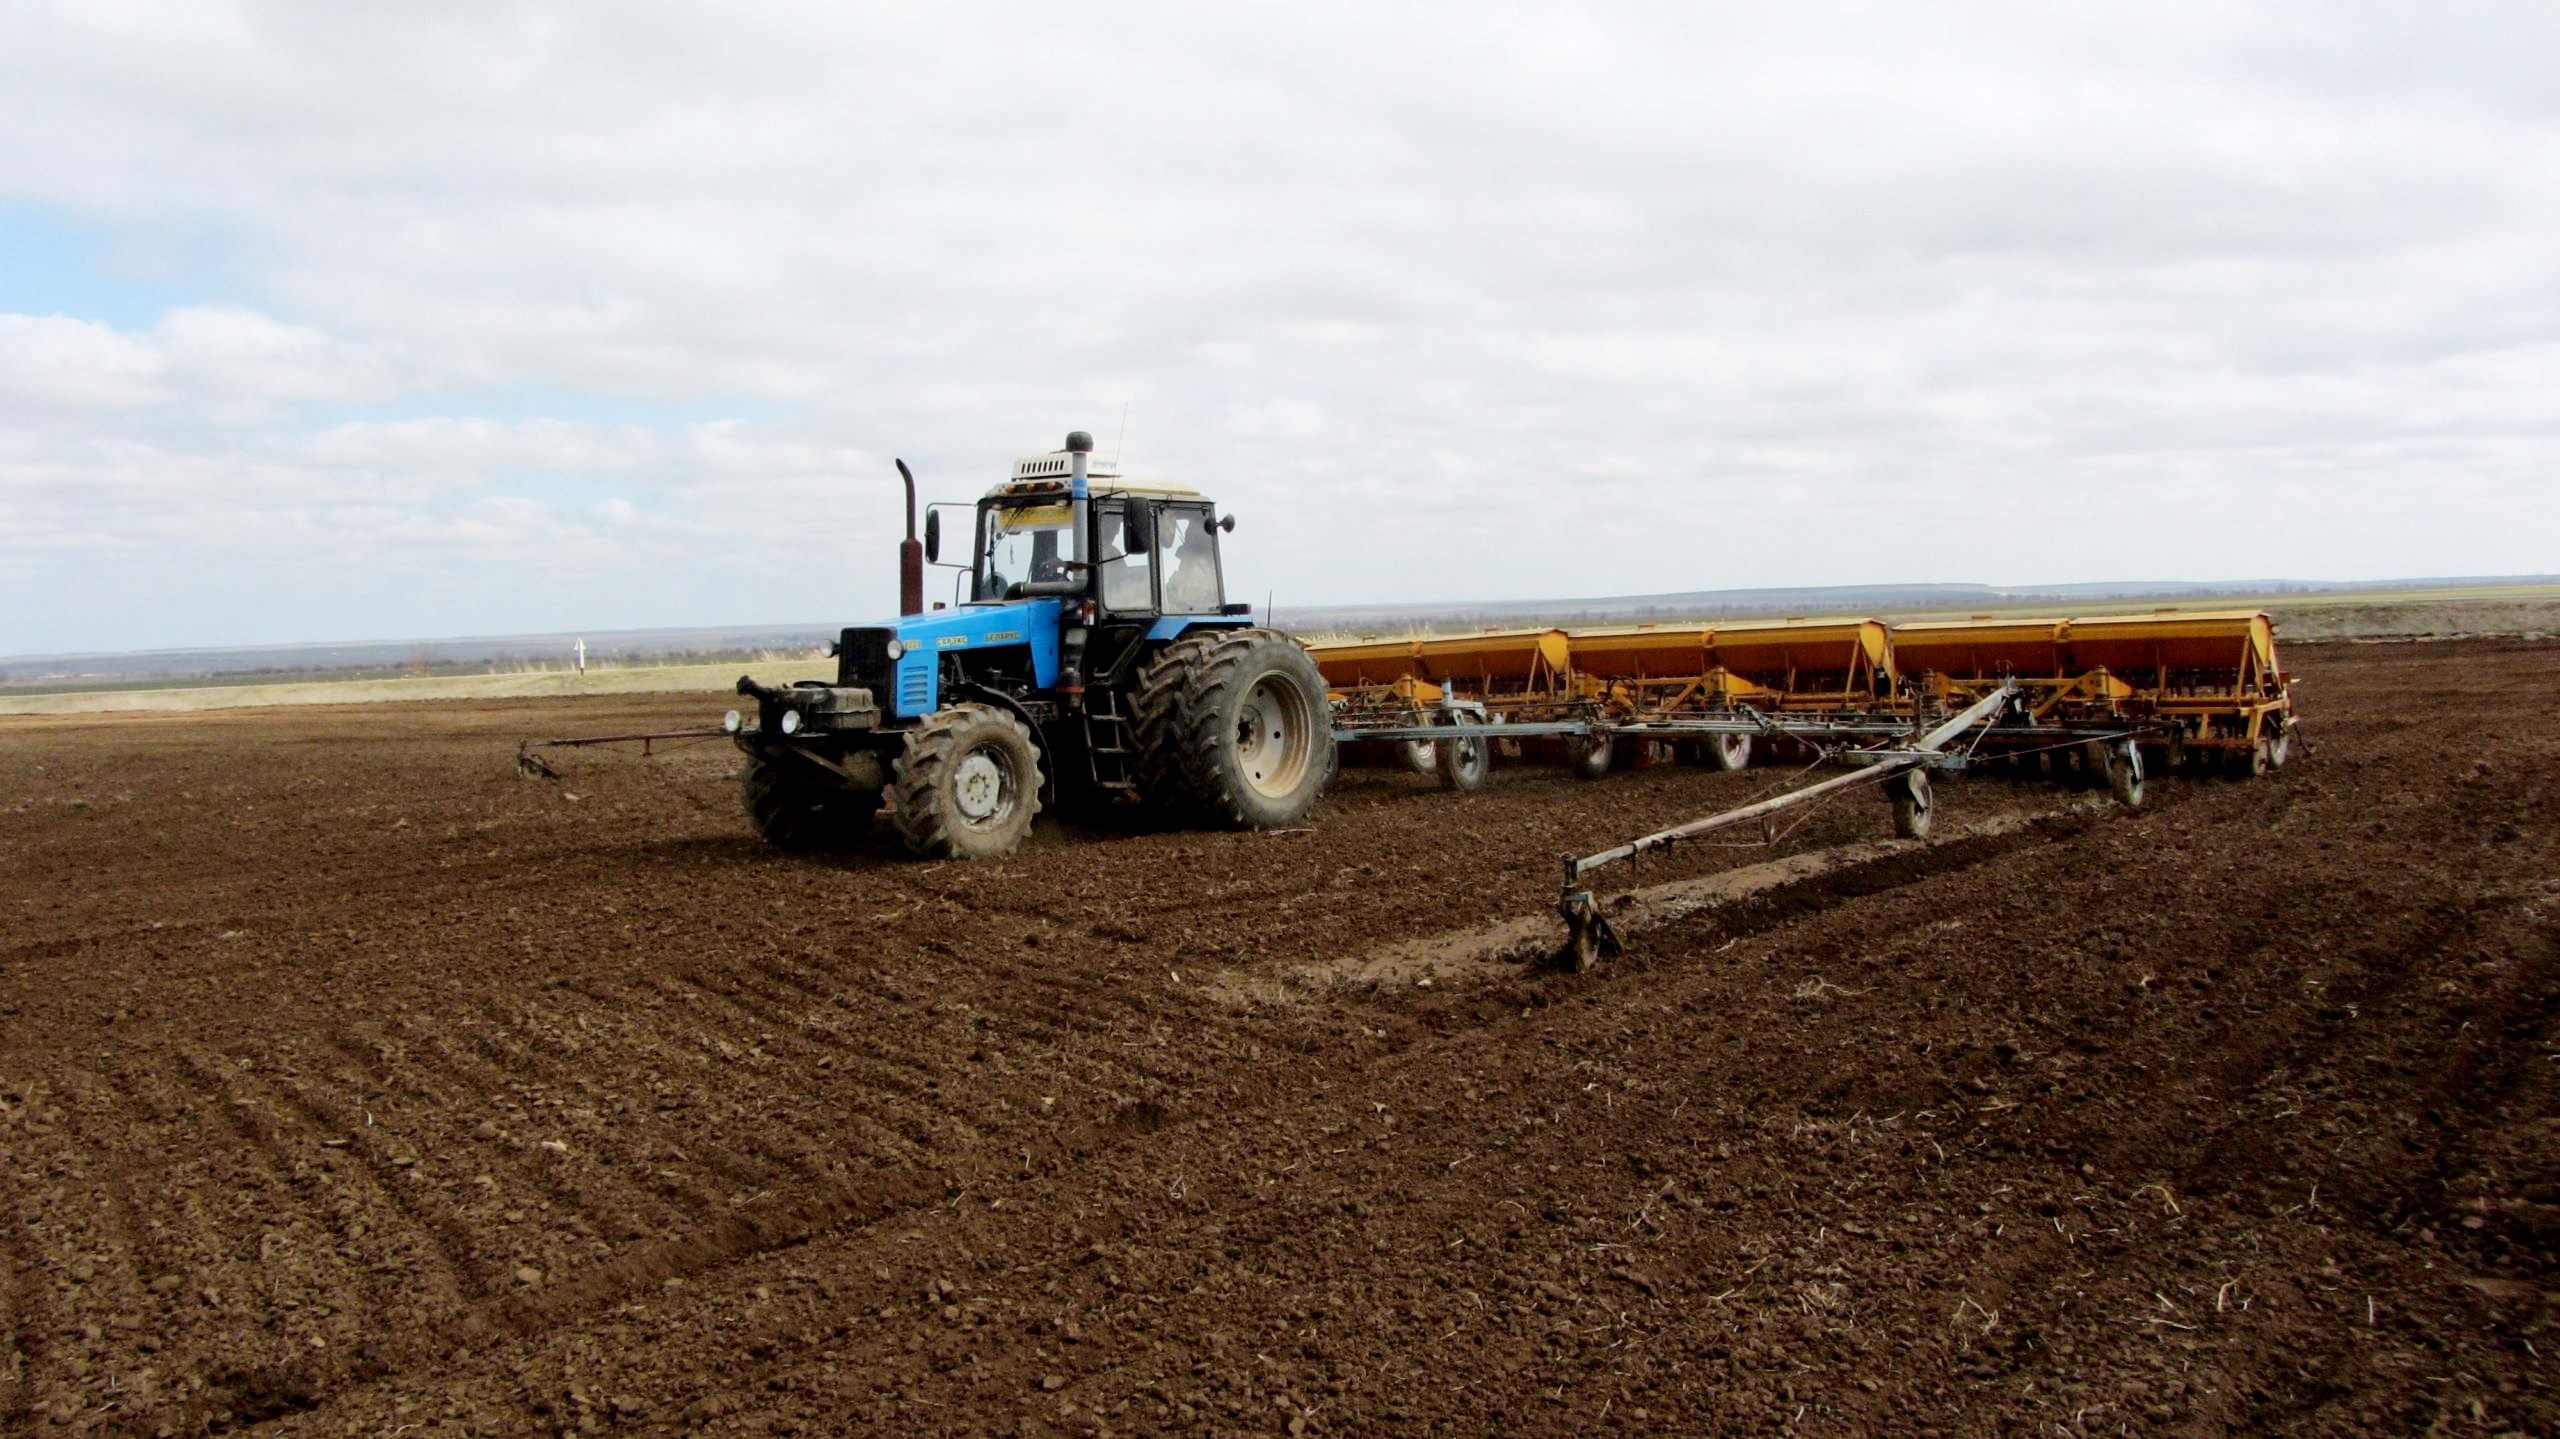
(1110, 742)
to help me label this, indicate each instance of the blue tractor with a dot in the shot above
(1094, 661)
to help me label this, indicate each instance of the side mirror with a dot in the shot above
(1142, 529)
(933, 536)
(1227, 523)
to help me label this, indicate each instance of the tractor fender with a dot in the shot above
(966, 693)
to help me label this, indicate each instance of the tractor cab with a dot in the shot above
(1152, 548)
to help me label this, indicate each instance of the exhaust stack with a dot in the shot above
(910, 553)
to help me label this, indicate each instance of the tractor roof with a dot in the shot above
(1048, 474)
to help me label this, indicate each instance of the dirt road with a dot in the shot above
(349, 1084)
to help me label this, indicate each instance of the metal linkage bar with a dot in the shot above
(1588, 932)
(531, 766)
(1397, 734)
(1742, 721)
(1811, 730)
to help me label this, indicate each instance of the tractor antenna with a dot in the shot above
(1120, 442)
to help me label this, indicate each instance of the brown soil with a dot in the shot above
(350, 1084)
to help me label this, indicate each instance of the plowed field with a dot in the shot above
(350, 1084)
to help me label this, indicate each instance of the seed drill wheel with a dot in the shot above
(1419, 755)
(1233, 729)
(1727, 751)
(2124, 773)
(2279, 741)
(968, 784)
(1912, 803)
(2250, 760)
(1463, 763)
(791, 806)
(2094, 764)
(1587, 755)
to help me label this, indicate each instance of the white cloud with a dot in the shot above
(209, 363)
(1446, 300)
(54, 361)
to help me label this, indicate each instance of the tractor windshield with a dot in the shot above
(1023, 542)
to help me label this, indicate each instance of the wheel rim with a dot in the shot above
(1733, 750)
(1473, 756)
(982, 787)
(1272, 737)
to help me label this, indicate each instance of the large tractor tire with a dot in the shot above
(1233, 730)
(793, 809)
(968, 784)
(1155, 701)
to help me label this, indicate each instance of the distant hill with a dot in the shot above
(370, 659)
(386, 659)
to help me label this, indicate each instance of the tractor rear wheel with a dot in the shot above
(967, 785)
(1154, 698)
(792, 812)
(1234, 730)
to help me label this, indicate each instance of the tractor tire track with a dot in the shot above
(429, 1260)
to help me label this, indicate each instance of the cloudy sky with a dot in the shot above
(332, 322)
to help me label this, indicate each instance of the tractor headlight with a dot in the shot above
(896, 651)
(791, 721)
(731, 721)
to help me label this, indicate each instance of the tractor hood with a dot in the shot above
(899, 660)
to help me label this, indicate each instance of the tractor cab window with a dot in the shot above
(1125, 558)
(1018, 543)
(1187, 553)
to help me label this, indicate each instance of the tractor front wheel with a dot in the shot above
(793, 810)
(967, 785)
